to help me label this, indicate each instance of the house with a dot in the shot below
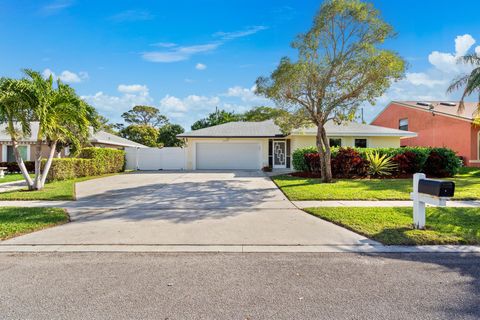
(100, 139)
(438, 124)
(253, 145)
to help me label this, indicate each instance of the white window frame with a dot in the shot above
(400, 121)
(340, 138)
(364, 138)
(4, 151)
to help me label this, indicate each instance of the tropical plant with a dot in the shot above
(379, 165)
(141, 133)
(341, 64)
(470, 83)
(63, 118)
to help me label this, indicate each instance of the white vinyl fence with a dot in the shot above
(155, 158)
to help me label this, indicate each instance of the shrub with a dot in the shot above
(312, 161)
(13, 166)
(298, 158)
(348, 162)
(91, 162)
(379, 165)
(442, 162)
(407, 162)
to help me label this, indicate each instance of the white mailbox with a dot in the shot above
(434, 192)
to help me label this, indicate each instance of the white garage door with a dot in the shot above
(224, 155)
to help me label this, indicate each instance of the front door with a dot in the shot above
(279, 154)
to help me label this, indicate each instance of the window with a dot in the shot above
(11, 155)
(360, 143)
(335, 142)
(403, 124)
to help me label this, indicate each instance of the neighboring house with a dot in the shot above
(100, 139)
(438, 124)
(253, 145)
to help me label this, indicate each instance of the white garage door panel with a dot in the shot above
(214, 156)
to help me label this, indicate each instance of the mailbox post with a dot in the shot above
(435, 192)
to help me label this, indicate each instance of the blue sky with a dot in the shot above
(187, 57)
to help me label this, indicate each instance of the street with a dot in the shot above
(239, 286)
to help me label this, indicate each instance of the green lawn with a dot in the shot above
(10, 177)
(57, 190)
(16, 221)
(467, 187)
(393, 226)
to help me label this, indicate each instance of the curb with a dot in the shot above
(239, 248)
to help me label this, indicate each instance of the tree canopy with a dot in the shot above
(341, 64)
(141, 133)
(216, 118)
(168, 135)
(145, 115)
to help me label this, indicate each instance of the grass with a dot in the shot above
(467, 187)
(10, 177)
(393, 226)
(57, 190)
(17, 221)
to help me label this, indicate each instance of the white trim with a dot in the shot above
(28, 153)
(474, 161)
(226, 140)
(4, 153)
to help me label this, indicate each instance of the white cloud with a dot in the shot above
(56, 6)
(133, 89)
(430, 84)
(246, 95)
(239, 34)
(177, 53)
(66, 76)
(200, 66)
(113, 106)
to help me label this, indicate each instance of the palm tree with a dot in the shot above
(16, 114)
(64, 118)
(469, 82)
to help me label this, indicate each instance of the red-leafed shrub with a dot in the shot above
(407, 162)
(312, 160)
(348, 162)
(442, 162)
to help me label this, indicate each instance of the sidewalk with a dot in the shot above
(11, 186)
(360, 203)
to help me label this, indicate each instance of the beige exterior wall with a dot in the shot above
(372, 142)
(296, 142)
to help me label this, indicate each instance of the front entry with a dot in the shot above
(279, 154)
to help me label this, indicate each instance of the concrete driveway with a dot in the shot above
(188, 208)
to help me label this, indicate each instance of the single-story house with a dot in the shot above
(438, 124)
(254, 145)
(100, 139)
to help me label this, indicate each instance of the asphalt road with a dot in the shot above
(239, 286)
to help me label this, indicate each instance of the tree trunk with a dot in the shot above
(321, 152)
(327, 158)
(48, 164)
(38, 164)
(21, 165)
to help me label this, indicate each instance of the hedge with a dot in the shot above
(90, 162)
(13, 166)
(440, 162)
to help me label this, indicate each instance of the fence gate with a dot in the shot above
(155, 158)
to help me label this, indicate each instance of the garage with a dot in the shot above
(228, 156)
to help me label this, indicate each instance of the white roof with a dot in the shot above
(267, 129)
(95, 137)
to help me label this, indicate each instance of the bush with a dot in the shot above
(298, 158)
(347, 162)
(442, 162)
(12, 167)
(91, 162)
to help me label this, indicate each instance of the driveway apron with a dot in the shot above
(188, 208)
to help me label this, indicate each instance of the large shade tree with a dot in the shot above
(63, 118)
(145, 115)
(468, 83)
(216, 118)
(168, 135)
(341, 64)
